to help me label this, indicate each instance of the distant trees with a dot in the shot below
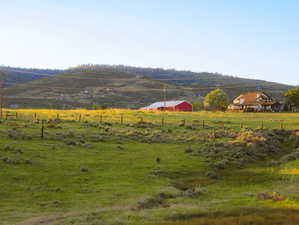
(197, 105)
(96, 106)
(216, 100)
(292, 97)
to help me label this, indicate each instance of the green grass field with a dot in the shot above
(91, 169)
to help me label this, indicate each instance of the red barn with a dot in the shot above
(170, 106)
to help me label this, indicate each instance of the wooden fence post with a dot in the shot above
(203, 124)
(80, 117)
(121, 118)
(281, 124)
(241, 125)
(42, 130)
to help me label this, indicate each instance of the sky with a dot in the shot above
(246, 38)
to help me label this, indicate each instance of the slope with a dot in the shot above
(12, 75)
(200, 83)
(84, 89)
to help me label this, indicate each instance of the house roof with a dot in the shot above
(163, 104)
(254, 98)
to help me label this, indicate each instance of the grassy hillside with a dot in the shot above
(103, 87)
(89, 172)
(119, 86)
(200, 83)
(113, 88)
(12, 75)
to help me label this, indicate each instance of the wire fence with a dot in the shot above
(197, 120)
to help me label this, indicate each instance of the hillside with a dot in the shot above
(14, 75)
(85, 89)
(119, 86)
(200, 83)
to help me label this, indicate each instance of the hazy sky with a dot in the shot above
(246, 38)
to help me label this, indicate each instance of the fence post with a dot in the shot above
(42, 130)
(101, 118)
(281, 124)
(17, 115)
(121, 118)
(203, 124)
(80, 116)
(241, 125)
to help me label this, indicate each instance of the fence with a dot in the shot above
(163, 119)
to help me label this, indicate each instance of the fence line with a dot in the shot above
(161, 119)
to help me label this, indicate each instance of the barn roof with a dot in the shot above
(163, 104)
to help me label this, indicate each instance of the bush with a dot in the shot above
(222, 164)
(150, 203)
(194, 192)
(84, 170)
(290, 157)
(212, 175)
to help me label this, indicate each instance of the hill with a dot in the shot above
(200, 83)
(104, 87)
(120, 86)
(12, 75)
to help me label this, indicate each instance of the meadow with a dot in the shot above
(117, 167)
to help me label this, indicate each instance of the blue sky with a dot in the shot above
(246, 38)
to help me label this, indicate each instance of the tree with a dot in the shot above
(95, 107)
(292, 96)
(197, 105)
(216, 100)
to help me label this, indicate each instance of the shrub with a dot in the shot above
(212, 175)
(221, 164)
(290, 157)
(194, 192)
(84, 170)
(150, 203)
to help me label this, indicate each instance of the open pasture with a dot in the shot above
(117, 167)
